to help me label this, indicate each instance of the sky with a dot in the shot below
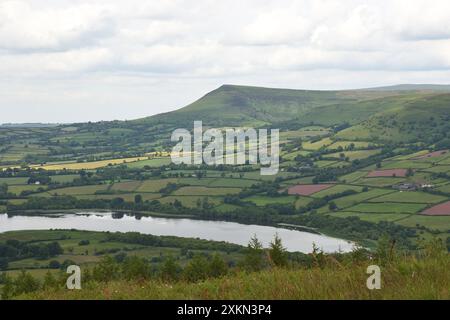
(91, 60)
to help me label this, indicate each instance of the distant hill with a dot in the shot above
(411, 87)
(231, 105)
(28, 125)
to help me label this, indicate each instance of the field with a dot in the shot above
(308, 189)
(387, 173)
(386, 207)
(88, 165)
(204, 191)
(409, 197)
(442, 209)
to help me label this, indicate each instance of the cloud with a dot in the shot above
(185, 47)
(24, 27)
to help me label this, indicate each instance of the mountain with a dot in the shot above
(231, 105)
(402, 113)
(410, 87)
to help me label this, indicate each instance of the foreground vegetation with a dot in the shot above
(424, 275)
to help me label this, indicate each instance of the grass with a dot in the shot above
(155, 185)
(387, 207)
(371, 217)
(336, 189)
(64, 178)
(445, 188)
(380, 181)
(405, 164)
(441, 223)
(264, 200)
(14, 181)
(351, 177)
(126, 196)
(223, 182)
(87, 165)
(73, 191)
(317, 145)
(409, 197)
(404, 278)
(355, 155)
(17, 189)
(203, 191)
(191, 201)
(346, 144)
(129, 186)
(156, 162)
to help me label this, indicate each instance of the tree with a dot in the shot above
(170, 269)
(138, 199)
(254, 258)
(277, 253)
(217, 266)
(3, 189)
(54, 264)
(106, 270)
(409, 172)
(25, 283)
(135, 268)
(332, 206)
(196, 269)
(50, 281)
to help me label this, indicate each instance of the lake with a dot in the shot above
(210, 230)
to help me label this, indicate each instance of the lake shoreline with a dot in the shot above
(187, 227)
(166, 215)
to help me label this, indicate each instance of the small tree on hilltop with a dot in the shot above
(138, 199)
(170, 269)
(277, 253)
(254, 259)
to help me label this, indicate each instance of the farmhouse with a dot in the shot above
(406, 186)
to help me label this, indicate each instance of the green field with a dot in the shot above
(410, 197)
(387, 207)
(202, 191)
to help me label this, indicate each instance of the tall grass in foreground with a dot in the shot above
(421, 276)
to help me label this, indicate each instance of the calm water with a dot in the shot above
(210, 230)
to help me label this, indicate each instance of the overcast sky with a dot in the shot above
(80, 60)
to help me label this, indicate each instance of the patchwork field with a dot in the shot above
(387, 207)
(409, 197)
(387, 173)
(307, 189)
(442, 209)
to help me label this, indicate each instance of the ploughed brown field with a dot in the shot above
(387, 173)
(442, 209)
(432, 154)
(307, 189)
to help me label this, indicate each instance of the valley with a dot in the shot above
(358, 165)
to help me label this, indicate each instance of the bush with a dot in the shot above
(54, 264)
(84, 243)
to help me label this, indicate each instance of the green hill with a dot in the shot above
(232, 105)
(424, 118)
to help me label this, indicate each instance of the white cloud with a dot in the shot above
(25, 27)
(82, 50)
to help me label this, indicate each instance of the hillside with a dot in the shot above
(256, 106)
(424, 118)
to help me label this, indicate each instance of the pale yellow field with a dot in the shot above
(317, 145)
(87, 165)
